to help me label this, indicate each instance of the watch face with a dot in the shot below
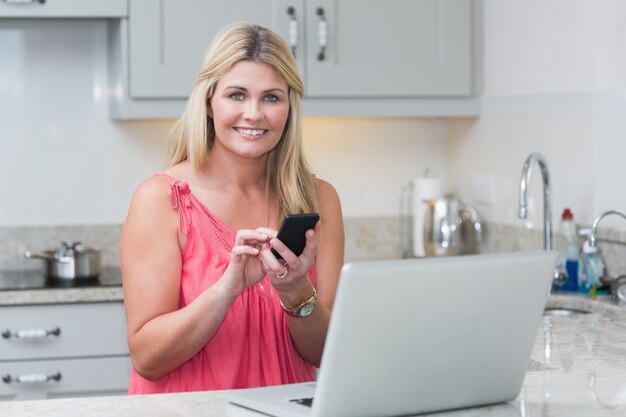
(306, 309)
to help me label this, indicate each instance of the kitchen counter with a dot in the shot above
(31, 287)
(578, 368)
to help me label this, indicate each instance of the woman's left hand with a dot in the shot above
(283, 272)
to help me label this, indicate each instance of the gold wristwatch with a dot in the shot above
(303, 309)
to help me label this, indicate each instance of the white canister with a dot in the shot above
(424, 189)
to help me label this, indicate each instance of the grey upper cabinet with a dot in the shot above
(63, 8)
(168, 40)
(374, 58)
(345, 48)
(391, 48)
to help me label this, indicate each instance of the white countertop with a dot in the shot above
(578, 368)
(31, 287)
(60, 295)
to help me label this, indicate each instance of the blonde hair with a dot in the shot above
(288, 173)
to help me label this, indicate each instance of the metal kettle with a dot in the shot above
(451, 228)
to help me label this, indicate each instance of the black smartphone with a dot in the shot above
(292, 231)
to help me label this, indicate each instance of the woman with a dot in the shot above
(202, 289)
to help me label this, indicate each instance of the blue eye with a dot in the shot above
(271, 98)
(238, 96)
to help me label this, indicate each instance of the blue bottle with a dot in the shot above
(568, 260)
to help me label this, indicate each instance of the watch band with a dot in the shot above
(303, 309)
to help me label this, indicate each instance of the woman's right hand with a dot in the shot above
(245, 268)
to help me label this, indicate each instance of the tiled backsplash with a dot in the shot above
(366, 239)
(14, 241)
(380, 238)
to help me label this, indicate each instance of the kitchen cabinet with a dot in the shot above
(385, 58)
(63, 8)
(62, 350)
(168, 40)
(391, 48)
(345, 48)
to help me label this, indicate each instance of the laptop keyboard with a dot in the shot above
(308, 402)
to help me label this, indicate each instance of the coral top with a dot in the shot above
(252, 347)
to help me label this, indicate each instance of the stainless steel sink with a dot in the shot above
(564, 312)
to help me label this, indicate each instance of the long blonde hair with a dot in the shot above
(288, 174)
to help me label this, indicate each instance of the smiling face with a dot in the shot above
(249, 108)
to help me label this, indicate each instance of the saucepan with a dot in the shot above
(72, 261)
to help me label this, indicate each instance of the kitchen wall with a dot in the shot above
(554, 82)
(64, 162)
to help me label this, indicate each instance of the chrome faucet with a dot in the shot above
(560, 278)
(547, 204)
(594, 228)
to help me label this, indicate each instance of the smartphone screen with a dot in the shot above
(292, 231)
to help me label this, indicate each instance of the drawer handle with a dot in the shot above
(31, 333)
(293, 29)
(322, 34)
(24, 1)
(31, 378)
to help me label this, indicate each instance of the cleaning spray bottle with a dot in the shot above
(591, 270)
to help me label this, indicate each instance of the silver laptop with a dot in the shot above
(421, 335)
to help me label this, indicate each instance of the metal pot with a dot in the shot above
(73, 261)
(451, 228)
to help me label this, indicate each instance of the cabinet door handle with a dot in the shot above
(322, 34)
(24, 1)
(292, 30)
(31, 333)
(31, 378)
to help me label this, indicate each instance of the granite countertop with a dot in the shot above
(31, 287)
(578, 369)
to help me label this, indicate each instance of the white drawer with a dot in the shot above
(64, 8)
(78, 377)
(91, 329)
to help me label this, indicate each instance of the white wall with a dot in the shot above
(369, 160)
(554, 82)
(64, 162)
(610, 105)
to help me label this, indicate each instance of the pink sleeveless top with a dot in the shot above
(252, 347)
